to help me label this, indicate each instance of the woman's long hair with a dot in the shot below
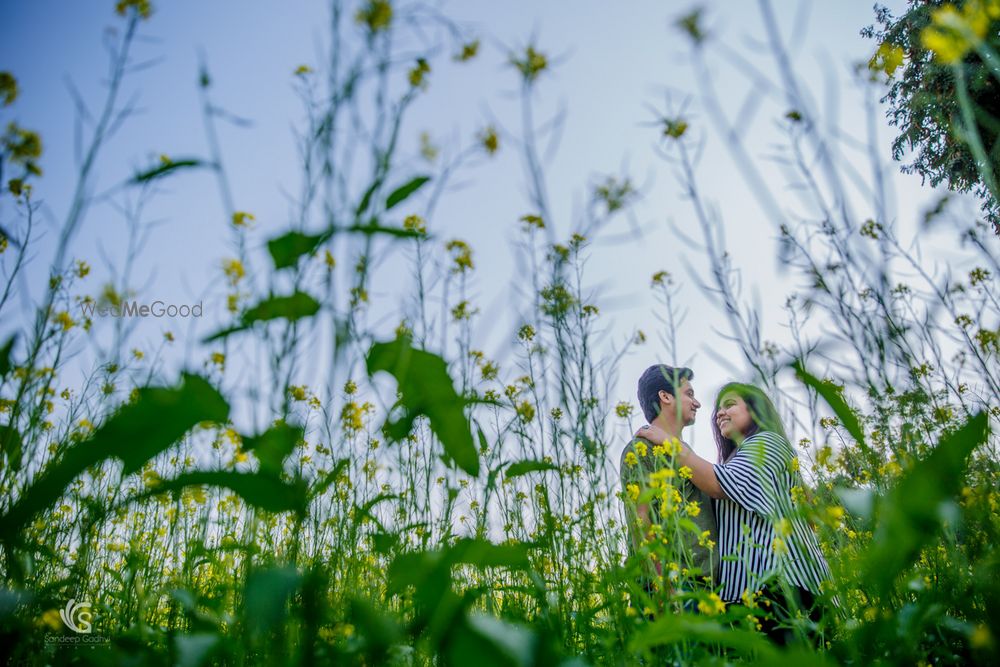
(763, 416)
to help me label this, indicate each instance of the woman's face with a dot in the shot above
(733, 417)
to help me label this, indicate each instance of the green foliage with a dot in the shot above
(135, 434)
(425, 388)
(292, 307)
(923, 102)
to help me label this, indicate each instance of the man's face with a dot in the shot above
(684, 405)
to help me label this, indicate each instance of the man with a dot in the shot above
(658, 493)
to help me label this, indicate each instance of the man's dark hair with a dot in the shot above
(657, 378)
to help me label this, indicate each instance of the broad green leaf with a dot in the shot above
(11, 445)
(377, 630)
(138, 432)
(487, 641)
(267, 592)
(483, 553)
(273, 445)
(529, 465)
(286, 249)
(910, 515)
(5, 352)
(831, 394)
(676, 628)
(292, 307)
(426, 389)
(266, 491)
(404, 191)
(164, 169)
(196, 649)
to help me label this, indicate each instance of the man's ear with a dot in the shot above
(666, 396)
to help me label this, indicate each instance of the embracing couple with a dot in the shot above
(737, 526)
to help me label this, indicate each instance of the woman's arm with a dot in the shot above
(702, 471)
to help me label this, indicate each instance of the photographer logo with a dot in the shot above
(77, 616)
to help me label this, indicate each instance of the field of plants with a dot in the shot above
(426, 504)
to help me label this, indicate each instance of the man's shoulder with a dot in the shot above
(625, 463)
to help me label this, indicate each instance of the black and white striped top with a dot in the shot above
(761, 535)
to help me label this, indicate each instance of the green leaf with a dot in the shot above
(196, 649)
(263, 490)
(373, 228)
(483, 553)
(529, 465)
(267, 592)
(487, 641)
(138, 432)
(164, 169)
(286, 249)
(831, 394)
(366, 200)
(329, 478)
(426, 389)
(377, 630)
(910, 516)
(11, 445)
(402, 192)
(292, 307)
(677, 628)
(5, 352)
(273, 445)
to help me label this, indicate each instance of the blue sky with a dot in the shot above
(612, 65)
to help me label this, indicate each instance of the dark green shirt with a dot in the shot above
(683, 530)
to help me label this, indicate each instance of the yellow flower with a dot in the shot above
(630, 459)
(954, 32)
(51, 619)
(887, 59)
(376, 15)
(302, 70)
(489, 140)
(704, 541)
(685, 472)
(219, 359)
(692, 508)
(138, 354)
(298, 393)
(531, 220)
(526, 411)
(415, 223)
(82, 269)
(714, 605)
(418, 73)
(63, 319)
(242, 218)
(233, 268)
(530, 63)
(461, 255)
(142, 7)
(640, 448)
(469, 51)
(633, 491)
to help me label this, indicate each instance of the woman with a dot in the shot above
(765, 545)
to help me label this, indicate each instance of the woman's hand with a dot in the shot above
(652, 433)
